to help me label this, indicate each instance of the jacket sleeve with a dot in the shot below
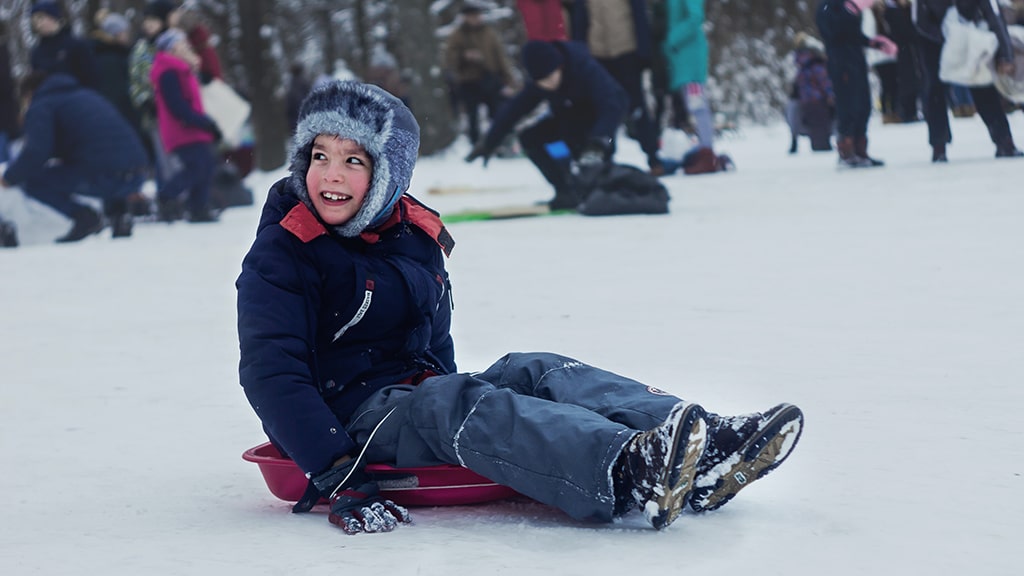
(277, 290)
(998, 26)
(520, 105)
(174, 96)
(39, 130)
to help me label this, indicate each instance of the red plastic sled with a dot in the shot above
(443, 485)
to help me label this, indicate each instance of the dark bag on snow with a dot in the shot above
(228, 189)
(624, 189)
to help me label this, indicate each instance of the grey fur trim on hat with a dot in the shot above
(374, 119)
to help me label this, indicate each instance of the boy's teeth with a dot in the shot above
(331, 196)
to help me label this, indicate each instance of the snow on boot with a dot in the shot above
(85, 222)
(742, 449)
(657, 468)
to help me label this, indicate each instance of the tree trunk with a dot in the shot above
(269, 124)
(418, 52)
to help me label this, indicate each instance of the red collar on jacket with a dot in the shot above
(301, 222)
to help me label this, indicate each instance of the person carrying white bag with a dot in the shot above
(948, 37)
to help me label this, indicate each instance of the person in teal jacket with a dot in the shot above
(686, 48)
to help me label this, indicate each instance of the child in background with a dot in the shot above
(185, 129)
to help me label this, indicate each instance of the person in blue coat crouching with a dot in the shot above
(76, 142)
(344, 315)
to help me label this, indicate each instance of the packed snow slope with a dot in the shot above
(885, 302)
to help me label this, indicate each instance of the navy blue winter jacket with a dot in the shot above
(64, 53)
(840, 27)
(325, 321)
(79, 127)
(589, 104)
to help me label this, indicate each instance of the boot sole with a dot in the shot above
(677, 486)
(760, 455)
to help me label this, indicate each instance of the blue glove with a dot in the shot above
(363, 509)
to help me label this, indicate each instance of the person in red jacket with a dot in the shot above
(543, 19)
(185, 129)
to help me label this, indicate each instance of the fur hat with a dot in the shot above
(377, 121)
(167, 40)
(50, 8)
(541, 58)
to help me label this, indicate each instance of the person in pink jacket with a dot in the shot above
(543, 19)
(186, 131)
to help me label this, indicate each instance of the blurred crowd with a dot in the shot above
(96, 118)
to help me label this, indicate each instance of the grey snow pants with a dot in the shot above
(548, 426)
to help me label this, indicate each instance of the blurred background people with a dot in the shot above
(618, 34)
(58, 50)
(76, 142)
(475, 59)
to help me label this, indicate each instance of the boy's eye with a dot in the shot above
(355, 160)
(319, 156)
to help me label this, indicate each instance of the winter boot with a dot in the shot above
(1007, 149)
(85, 222)
(792, 145)
(656, 468)
(939, 154)
(119, 217)
(860, 148)
(847, 157)
(8, 234)
(742, 449)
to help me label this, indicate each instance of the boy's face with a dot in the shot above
(338, 178)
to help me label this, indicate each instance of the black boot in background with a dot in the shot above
(85, 222)
(119, 217)
(8, 234)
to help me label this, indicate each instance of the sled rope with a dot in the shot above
(362, 452)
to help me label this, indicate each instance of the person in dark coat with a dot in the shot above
(987, 100)
(98, 154)
(344, 318)
(58, 50)
(586, 107)
(475, 60)
(908, 83)
(111, 45)
(618, 34)
(839, 22)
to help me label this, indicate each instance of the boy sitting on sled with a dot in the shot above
(344, 310)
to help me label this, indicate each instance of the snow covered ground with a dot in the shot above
(887, 303)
